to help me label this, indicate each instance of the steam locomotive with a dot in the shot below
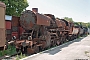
(43, 31)
(33, 32)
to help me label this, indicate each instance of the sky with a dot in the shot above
(78, 10)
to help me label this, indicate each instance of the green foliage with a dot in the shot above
(10, 51)
(83, 24)
(76, 24)
(21, 56)
(88, 24)
(15, 7)
(68, 19)
(17, 58)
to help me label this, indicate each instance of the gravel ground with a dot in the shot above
(73, 50)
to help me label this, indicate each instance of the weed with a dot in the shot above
(86, 53)
(10, 51)
(18, 57)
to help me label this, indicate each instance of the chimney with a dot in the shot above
(35, 10)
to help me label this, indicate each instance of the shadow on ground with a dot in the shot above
(58, 48)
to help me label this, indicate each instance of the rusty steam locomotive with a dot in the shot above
(43, 31)
(36, 32)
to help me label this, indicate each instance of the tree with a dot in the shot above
(84, 24)
(68, 19)
(76, 24)
(15, 7)
(88, 24)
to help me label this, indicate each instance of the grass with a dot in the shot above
(86, 53)
(10, 51)
(18, 57)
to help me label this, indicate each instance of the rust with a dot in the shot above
(21, 30)
(59, 23)
(43, 44)
(43, 20)
(8, 37)
(27, 19)
(27, 42)
(8, 24)
(15, 21)
(31, 24)
(30, 51)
